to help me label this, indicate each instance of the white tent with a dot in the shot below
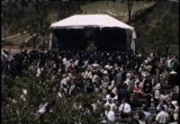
(95, 20)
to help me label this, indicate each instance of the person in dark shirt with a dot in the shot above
(175, 95)
(123, 94)
(134, 118)
(119, 76)
(147, 91)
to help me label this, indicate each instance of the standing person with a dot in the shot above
(157, 93)
(123, 94)
(131, 85)
(110, 115)
(162, 104)
(138, 94)
(141, 117)
(175, 94)
(147, 88)
(119, 76)
(164, 96)
(147, 114)
(162, 117)
(125, 109)
(176, 111)
(173, 79)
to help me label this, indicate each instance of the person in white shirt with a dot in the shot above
(108, 100)
(162, 117)
(95, 78)
(176, 110)
(125, 109)
(128, 76)
(64, 80)
(87, 74)
(169, 62)
(95, 64)
(111, 85)
(157, 93)
(64, 84)
(76, 62)
(110, 115)
(41, 109)
(38, 72)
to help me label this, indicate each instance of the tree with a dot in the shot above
(41, 90)
(163, 34)
(38, 25)
(31, 17)
(129, 7)
(152, 24)
(68, 8)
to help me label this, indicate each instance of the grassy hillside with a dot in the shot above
(145, 15)
(115, 9)
(163, 11)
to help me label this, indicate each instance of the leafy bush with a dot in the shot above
(157, 29)
(17, 110)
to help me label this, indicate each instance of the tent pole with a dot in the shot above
(133, 41)
(50, 41)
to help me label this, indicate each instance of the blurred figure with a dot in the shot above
(162, 117)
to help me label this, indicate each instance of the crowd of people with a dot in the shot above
(135, 88)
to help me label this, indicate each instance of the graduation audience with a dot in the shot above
(135, 88)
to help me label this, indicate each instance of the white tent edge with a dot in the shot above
(90, 20)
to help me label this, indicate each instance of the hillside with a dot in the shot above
(145, 15)
(116, 9)
(9, 28)
(162, 12)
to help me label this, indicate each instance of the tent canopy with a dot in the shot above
(97, 20)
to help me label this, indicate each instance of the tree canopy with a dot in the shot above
(18, 109)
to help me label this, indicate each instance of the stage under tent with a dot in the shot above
(101, 32)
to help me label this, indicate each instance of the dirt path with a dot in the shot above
(17, 49)
(14, 49)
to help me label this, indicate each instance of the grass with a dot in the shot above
(118, 9)
(102, 7)
(53, 16)
(20, 39)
